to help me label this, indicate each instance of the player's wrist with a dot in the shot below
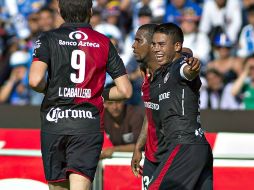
(138, 148)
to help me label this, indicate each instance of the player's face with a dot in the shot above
(140, 46)
(163, 48)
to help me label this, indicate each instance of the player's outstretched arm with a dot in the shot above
(37, 76)
(137, 154)
(192, 69)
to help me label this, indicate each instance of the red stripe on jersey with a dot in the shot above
(156, 184)
(36, 59)
(151, 146)
(95, 68)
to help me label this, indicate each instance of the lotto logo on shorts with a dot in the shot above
(56, 113)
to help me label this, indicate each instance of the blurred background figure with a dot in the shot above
(58, 20)
(197, 41)
(15, 90)
(122, 124)
(227, 64)
(246, 39)
(17, 13)
(214, 94)
(244, 85)
(157, 8)
(46, 20)
(217, 17)
(175, 9)
(96, 19)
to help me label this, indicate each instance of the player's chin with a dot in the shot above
(137, 57)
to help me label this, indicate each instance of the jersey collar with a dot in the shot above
(81, 25)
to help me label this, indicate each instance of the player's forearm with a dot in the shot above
(6, 89)
(238, 84)
(39, 87)
(142, 136)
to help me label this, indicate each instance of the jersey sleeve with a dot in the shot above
(41, 49)
(115, 66)
(177, 71)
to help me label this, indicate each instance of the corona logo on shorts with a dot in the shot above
(79, 35)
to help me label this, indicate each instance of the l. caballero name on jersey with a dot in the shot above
(56, 113)
(74, 92)
(80, 43)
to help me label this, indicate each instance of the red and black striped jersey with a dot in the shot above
(155, 146)
(78, 58)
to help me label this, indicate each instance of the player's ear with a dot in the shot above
(178, 46)
(58, 9)
(91, 12)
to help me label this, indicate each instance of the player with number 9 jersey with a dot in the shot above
(69, 66)
(78, 58)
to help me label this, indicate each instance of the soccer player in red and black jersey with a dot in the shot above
(76, 59)
(188, 162)
(150, 136)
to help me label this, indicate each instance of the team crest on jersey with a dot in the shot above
(166, 77)
(79, 35)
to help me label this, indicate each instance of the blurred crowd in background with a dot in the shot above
(219, 32)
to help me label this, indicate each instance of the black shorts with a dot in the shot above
(185, 167)
(65, 154)
(148, 169)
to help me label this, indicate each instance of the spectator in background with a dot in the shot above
(245, 5)
(46, 19)
(33, 24)
(246, 39)
(112, 12)
(109, 29)
(221, 15)
(224, 62)
(197, 41)
(58, 20)
(244, 85)
(99, 4)
(214, 94)
(96, 18)
(115, 16)
(122, 124)
(17, 13)
(157, 8)
(175, 9)
(15, 90)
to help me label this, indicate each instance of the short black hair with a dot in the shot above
(149, 28)
(214, 71)
(172, 30)
(46, 9)
(75, 11)
(145, 11)
(250, 9)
